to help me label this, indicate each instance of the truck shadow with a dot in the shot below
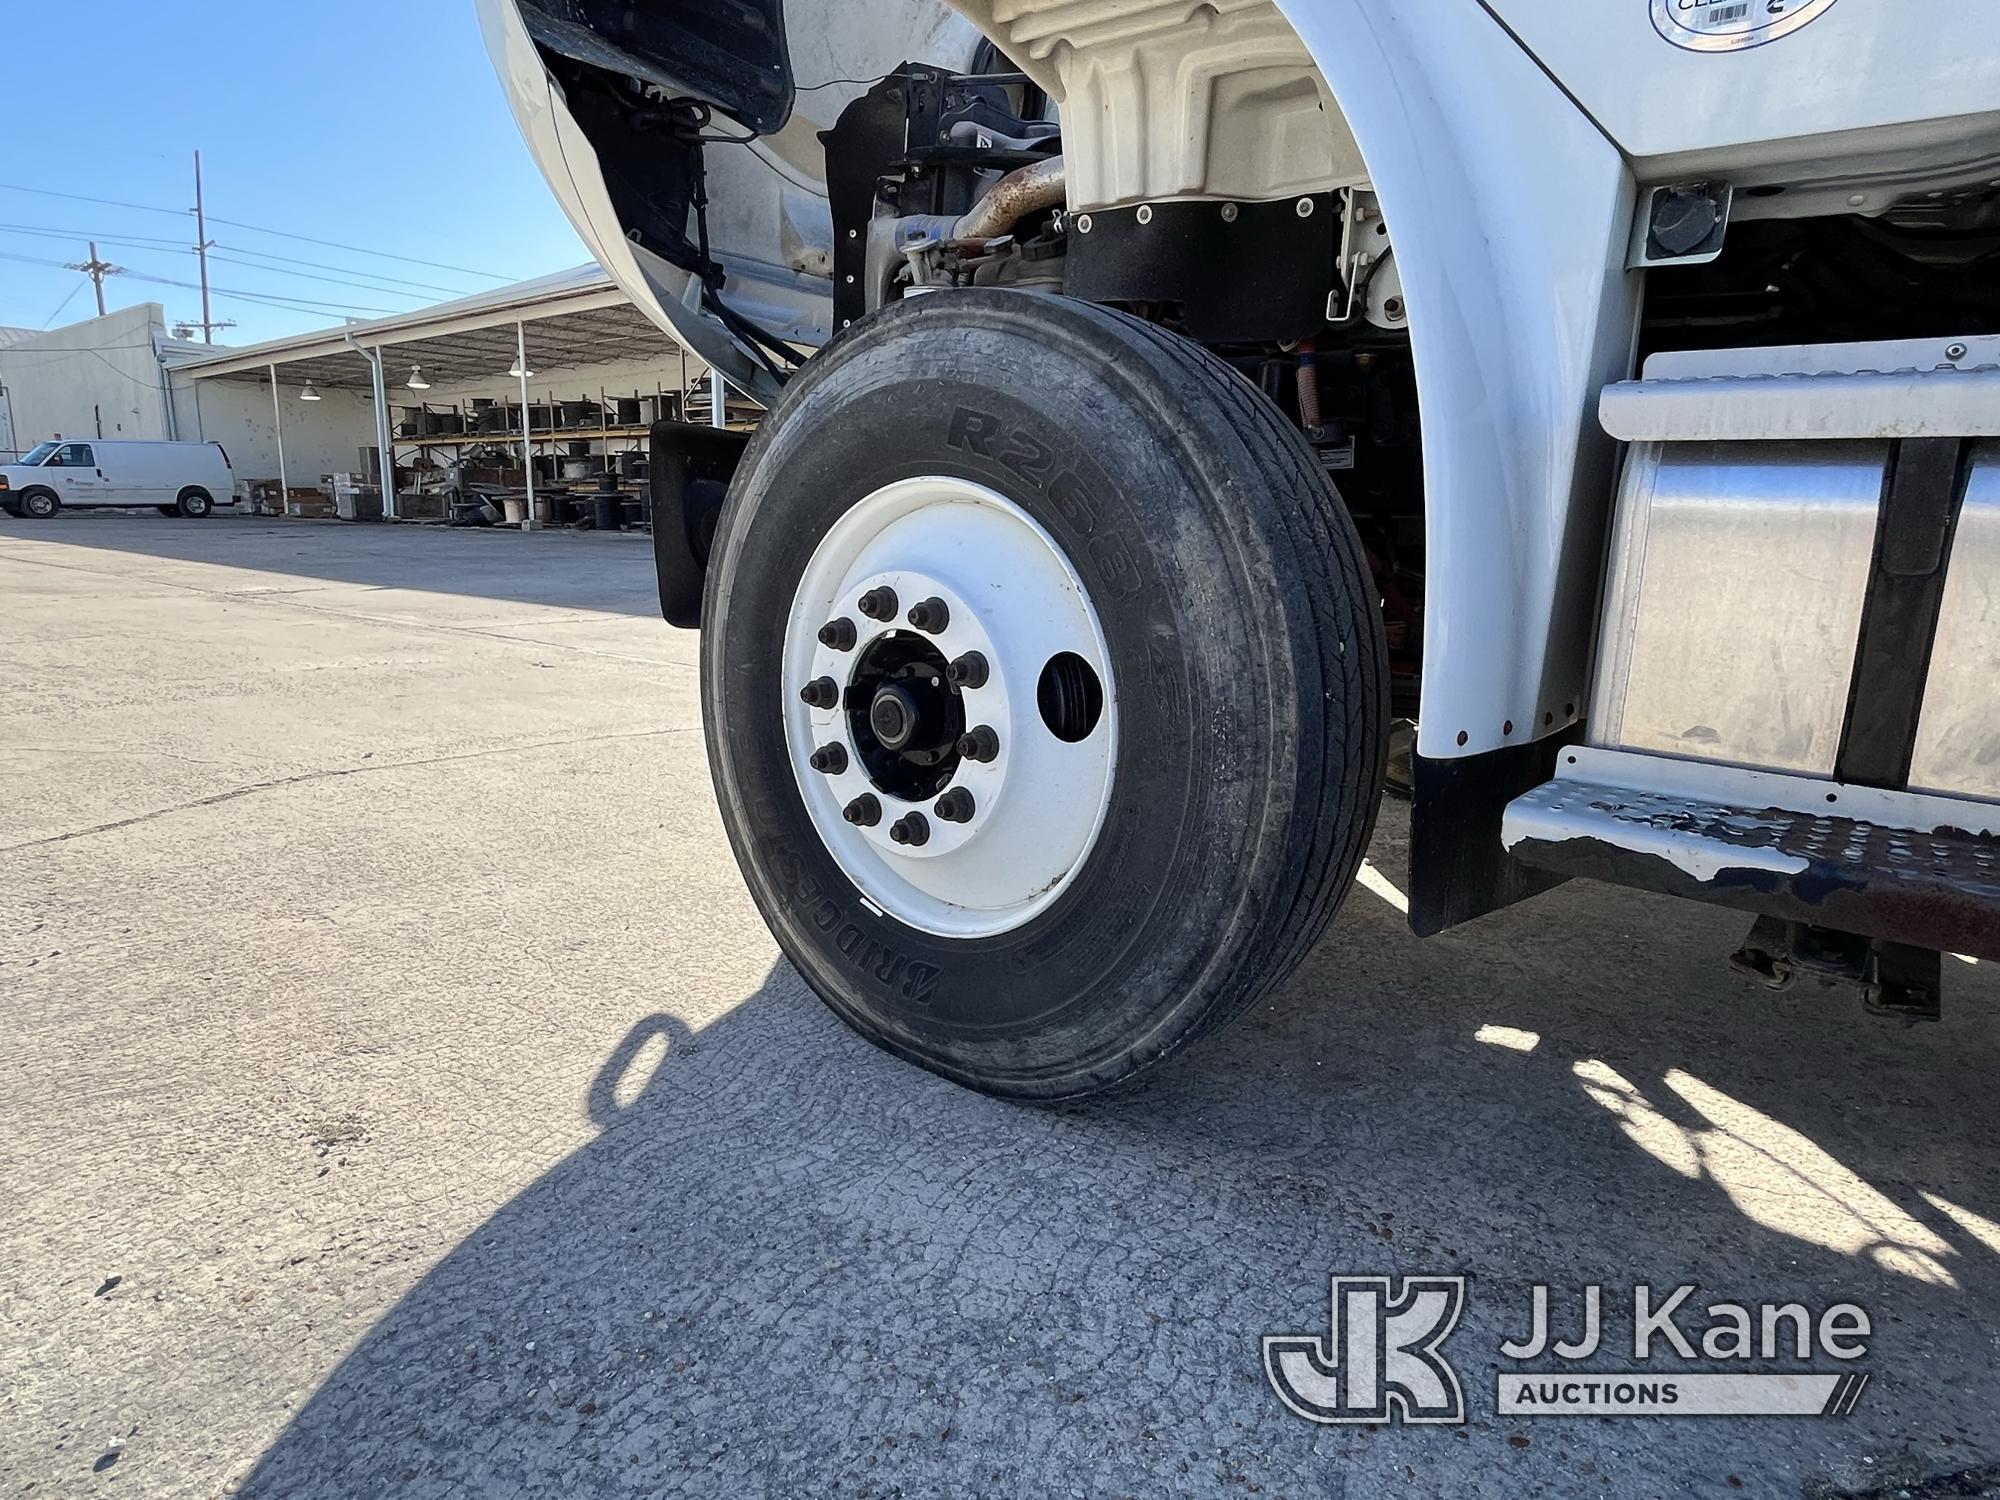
(606, 573)
(790, 1265)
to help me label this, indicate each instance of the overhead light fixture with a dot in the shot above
(518, 373)
(309, 394)
(416, 382)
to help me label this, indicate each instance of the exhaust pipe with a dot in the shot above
(1020, 193)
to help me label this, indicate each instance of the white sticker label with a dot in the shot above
(1731, 25)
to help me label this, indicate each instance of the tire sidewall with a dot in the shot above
(1115, 956)
(50, 504)
(194, 503)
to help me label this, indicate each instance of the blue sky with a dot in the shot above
(374, 123)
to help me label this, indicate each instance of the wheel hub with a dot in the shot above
(950, 712)
(904, 716)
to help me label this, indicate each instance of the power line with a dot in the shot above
(429, 286)
(435, 265)
(375, 282)
(145, 208)
(21, 351)
(62, 304)
(136, 241)
(311, 304)
(283, 234)
(308, 276)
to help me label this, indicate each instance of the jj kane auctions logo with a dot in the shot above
(1382, 1357)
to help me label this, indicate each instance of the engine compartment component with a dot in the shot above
(909, 160)
(1218, 100)
(1221, 272)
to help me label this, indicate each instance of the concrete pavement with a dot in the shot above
(402, 1097)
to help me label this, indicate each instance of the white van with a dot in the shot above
(180, 479)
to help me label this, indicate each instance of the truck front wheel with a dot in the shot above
(1044, 688)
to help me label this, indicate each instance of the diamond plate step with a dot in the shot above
(1897, 865)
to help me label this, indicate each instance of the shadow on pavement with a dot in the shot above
(489, 563)
(789, 1265)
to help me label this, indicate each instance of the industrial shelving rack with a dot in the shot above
(616, 437)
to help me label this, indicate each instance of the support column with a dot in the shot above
(382, 425)
(718, 399)
(278, 420)
(527, 443)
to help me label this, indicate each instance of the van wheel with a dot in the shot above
(40, 503)
(1044, 688)
(168, 510)
(194, 502)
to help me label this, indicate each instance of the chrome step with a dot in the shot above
(1904, 866)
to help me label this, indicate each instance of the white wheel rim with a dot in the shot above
(1013, 597)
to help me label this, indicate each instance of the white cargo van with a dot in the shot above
(180, 479)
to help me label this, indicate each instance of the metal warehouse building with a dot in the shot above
(529, 390)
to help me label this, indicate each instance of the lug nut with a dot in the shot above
(912, 828)
(979, 743)
(955, 806)
(821, 692)
(930, 614)
(879, 603)
(967, 671)
(829, 760)
(864, 811)
(839, 634)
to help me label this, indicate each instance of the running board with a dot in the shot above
(1903, 866)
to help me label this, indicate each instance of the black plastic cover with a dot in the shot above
(732, 56)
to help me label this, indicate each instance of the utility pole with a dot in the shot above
(201, 250)
(203, 244)
(96, 270)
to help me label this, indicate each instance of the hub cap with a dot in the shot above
(980, 713)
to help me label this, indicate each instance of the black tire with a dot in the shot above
(1242, 629)
(168, 510)
(40, 503)
(194, 502)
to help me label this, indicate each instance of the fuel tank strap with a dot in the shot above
(1899, 617)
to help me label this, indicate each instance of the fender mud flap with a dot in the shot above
(1459, 869)
(1900, 866)
(690, 468)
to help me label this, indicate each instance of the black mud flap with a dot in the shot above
(691, 470)
(1458, 868)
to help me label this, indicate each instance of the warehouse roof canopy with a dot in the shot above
(578, 317)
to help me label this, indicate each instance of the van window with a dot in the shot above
(74, 456)
(39, 453)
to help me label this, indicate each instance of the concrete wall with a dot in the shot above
(321, 437)
(99, 378)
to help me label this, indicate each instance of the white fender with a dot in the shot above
(1510, 212)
